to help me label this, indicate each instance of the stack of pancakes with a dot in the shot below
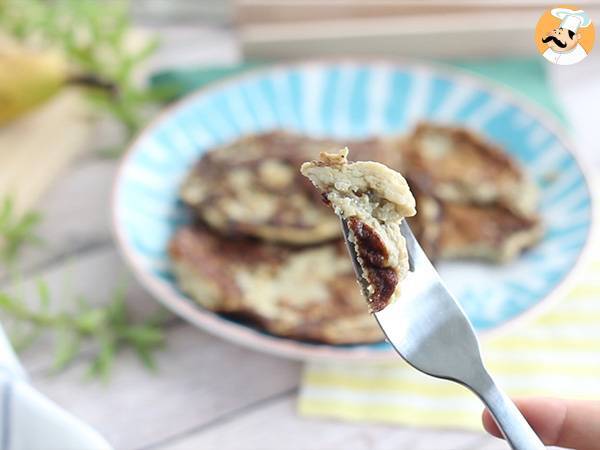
(264, 248)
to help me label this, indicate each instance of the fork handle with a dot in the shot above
(515, 429)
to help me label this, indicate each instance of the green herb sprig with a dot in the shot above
(109, 328)
(16, 231)
(95, 37)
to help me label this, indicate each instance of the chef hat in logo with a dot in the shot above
(571, 20)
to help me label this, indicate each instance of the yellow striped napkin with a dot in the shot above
(555, 354)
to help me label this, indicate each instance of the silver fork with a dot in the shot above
(430, 330)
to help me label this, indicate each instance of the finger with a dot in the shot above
(567, 423)
(546, 417)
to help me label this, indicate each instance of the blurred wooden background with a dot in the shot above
(428, 28)
(268, 29)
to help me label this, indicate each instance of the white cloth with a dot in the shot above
(29, 421)
(566, 58)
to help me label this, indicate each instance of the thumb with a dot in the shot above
(566, 423)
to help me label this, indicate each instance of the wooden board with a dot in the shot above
(286, 11)
(35, 148)
(439, 29)
(275, 423)
(75, 226)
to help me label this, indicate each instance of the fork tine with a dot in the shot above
(411, 244)
(414, 250)
(353, 256)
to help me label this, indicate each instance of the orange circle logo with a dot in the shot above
(565, 35)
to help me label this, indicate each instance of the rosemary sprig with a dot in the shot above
(109, 328)
(94, 36)
(16, 231)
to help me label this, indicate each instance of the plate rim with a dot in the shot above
(243, 335)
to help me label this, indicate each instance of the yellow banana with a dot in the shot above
(27, 80)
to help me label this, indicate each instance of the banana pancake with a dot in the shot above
(309, 294)
(252, 187)
(449, 230)
(463, 167)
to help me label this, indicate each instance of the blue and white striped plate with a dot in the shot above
(349, 99)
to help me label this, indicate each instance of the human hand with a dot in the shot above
(565, 423)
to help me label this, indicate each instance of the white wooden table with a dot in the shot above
(207, 393)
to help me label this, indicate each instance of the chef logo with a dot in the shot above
(565, 35)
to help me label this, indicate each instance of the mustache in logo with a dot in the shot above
(555, 40)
